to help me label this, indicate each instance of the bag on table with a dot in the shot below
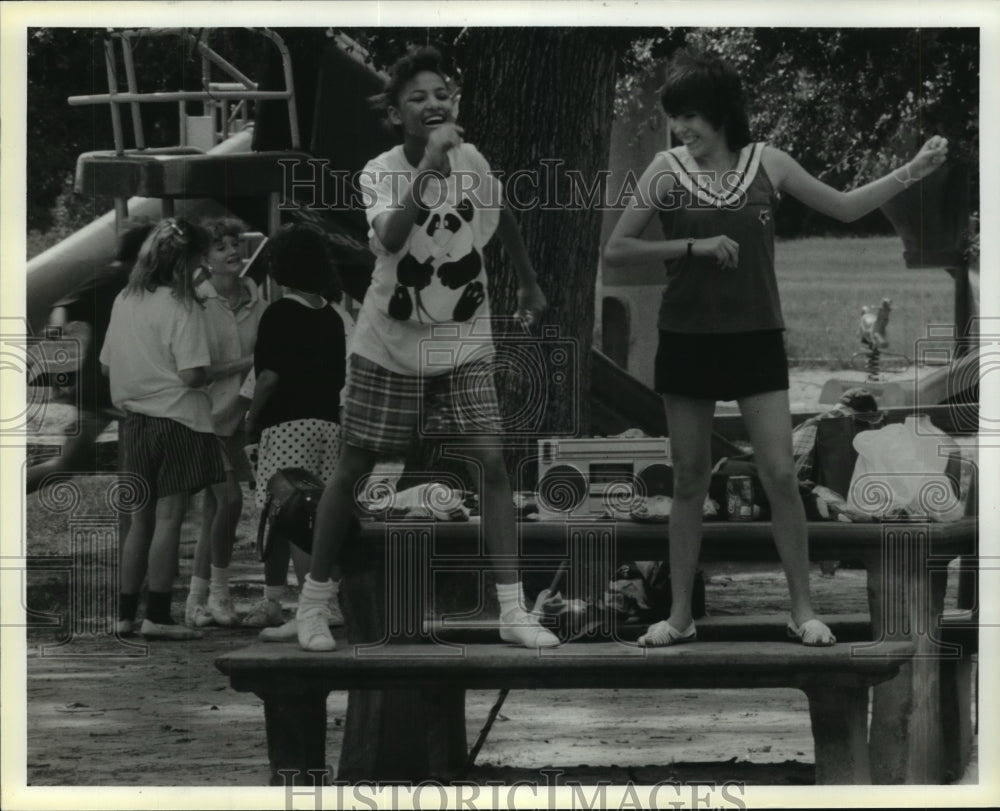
(290, 509)
(726, 468)
(835, 454)
(906, 469)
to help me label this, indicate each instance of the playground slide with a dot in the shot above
(85, 254)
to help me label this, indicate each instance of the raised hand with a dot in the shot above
(444, 138)
(724, 250)
(931, 155)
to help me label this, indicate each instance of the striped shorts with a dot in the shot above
(384, 411)
(169, 456)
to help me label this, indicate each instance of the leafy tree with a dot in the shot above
(533, 95)
(847, 103)
(852, 104)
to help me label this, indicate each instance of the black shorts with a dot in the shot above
(721, 367)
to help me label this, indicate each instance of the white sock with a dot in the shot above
(199, 589)
(273, 593)
(315, 594)
(219, 583)
(511, 597)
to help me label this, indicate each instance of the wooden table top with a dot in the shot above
(722, 540)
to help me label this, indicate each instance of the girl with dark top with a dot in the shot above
(720, 320)
(300, 364)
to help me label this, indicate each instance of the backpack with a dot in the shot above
(641, 590)
(290, 509)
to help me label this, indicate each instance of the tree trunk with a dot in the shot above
(540, 100)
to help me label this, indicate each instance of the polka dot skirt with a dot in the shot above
(310, 444)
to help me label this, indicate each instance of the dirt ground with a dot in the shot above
(103, 714)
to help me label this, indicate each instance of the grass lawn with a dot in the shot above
(825, 281)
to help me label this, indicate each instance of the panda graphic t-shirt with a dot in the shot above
(427, 308)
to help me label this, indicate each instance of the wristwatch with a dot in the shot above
(690, 246)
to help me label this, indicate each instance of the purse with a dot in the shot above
(290, 509)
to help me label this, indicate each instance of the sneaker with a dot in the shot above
(220, 607)
(313, 630)
(523, 629)
(158, 630)
(196, 615)
(288, 632)
(125, 627)
(265, 612)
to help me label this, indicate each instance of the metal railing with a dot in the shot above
(214, 96)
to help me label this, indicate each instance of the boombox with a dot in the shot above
(583, 478)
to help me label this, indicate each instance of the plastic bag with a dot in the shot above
(901, 469)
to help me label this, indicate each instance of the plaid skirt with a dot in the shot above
(384, 411)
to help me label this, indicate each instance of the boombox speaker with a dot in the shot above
(586, 478)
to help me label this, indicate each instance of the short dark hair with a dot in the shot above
(709, 85)
(405, 68)
(299, 257)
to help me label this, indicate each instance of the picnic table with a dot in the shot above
(389, 582)
(906, 564)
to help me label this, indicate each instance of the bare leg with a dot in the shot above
(166, 541)
(135, 551)
(769, 426)
(334, 511)
(229, 505)
(201, 566)
(689, 422)
(222, 505)
(300, 563)
(333, 523)
(499, 521)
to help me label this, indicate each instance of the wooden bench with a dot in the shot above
(430, 681)
(905, 735)
(957, 627)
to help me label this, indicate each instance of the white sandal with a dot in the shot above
(662, 634)
(812, 633)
